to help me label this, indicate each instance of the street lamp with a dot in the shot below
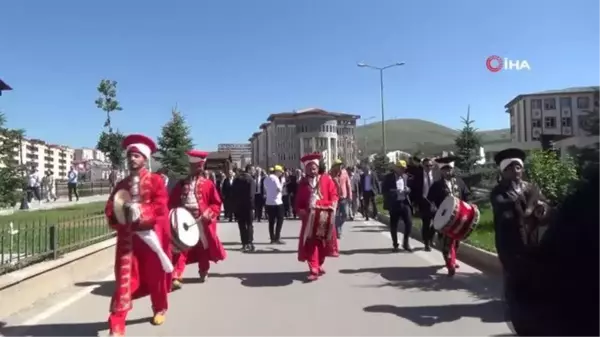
(381, 69)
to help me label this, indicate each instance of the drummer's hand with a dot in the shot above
(135, 211)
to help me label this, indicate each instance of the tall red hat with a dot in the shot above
(197, 156)
(139, 143)
(312, 158)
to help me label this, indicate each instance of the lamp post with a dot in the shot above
(381, 69)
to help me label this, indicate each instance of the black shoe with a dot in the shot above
(279, 242)
(395, 249)
(251, 248)
(407, 248)
(244, 248)
(272, 242)
(427, 248)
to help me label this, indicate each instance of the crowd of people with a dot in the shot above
(543, 295)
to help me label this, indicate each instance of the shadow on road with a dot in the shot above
(488, 312)
(63, 329)
(427, 279)
(259, 279)
(104, 288)
(377, 251)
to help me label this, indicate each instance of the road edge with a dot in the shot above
(478, 258)
(21, 289)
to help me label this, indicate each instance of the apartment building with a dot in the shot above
(45, 157)
(287, 136)
(241, 154)
(86, 154)
(556, 114)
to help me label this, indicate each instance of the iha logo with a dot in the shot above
(496, 63)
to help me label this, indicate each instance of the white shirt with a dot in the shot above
(283, 181)
(427, 182)
(34, 179)
(401, 187)
(273, 189)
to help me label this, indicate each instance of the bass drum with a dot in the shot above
(185, 232)
(455, 218)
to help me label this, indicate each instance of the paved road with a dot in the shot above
(367, 291)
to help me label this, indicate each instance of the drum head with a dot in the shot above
(185, 229)
(121, 198)
(444, 213)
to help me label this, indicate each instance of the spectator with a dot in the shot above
(72, 183)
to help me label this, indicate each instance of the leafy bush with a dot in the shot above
(554, 177)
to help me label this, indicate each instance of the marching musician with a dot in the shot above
(200, 197)
(395, 192)
(316, 203)
(449, 184)
(519, 214)
(138, 269)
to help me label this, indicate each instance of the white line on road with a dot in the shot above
(58, 307)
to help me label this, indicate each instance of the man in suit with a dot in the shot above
(226, 195)
(369, 188)
(355, 183)
(421, 181)
(259, 193)
(396, 192)
(242, 197)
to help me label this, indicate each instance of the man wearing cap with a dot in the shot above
(199, 196)
(316, 203)
(448, 185)
(395, 192)
(274, 203)
(342, 181)
(138, 267)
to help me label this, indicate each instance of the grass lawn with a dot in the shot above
(482, 237)
(48, 233)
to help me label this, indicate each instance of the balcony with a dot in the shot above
(62, 161)
(32, 156)
(48, 158)
(32, 148)
(62, 167)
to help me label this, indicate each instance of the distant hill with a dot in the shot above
(412, 135)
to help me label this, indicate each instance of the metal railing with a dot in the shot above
(23, 244)
(84, 189)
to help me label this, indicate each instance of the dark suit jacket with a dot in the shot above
(242, 192)
(416, 183)
(292, 184)
(439, 191)
(226, 188)
(262, 185)
(374, 183)
(388, 190)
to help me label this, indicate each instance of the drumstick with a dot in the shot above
(186, 226)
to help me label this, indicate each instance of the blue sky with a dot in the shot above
(229, 64)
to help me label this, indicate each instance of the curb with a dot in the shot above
(23, 288)
(478, 258)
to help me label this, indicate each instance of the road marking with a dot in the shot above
(62, 305)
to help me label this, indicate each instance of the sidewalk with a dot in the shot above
(61, 202)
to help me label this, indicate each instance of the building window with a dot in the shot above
(566, 121)
(550, 122)
(549, 104)
(536, 104)
(583, 102)
(536, 123)
(565, 102)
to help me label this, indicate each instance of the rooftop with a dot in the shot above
(569, 91)
(311, 111)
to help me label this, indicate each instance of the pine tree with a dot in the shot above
(11, 178)
(173, 144)
(467, 144)
(381, 164)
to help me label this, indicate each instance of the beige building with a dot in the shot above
(240, 153)
(85, 154)
(555, 114)
(45, 157)
(287, 136)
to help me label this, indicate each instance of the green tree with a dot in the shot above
(380, 164)
(173, 144)
(11, 177)
(110, 144)
(107, 101)
(554, 177)
(467, 143)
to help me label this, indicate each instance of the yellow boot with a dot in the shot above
(176, 285)
(159, 318)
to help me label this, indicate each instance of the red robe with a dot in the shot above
(314, 250)
(209, 203)
(138, 271)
